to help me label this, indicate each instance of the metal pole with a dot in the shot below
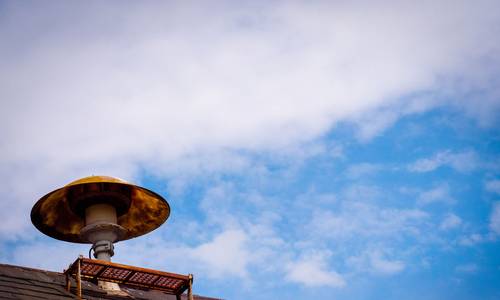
(78, 280)
(68, 281)
(190, 288)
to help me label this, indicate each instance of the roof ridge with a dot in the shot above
(30, 268)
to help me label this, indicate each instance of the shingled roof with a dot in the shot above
(26, 283)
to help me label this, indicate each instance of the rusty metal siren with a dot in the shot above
(99, 210)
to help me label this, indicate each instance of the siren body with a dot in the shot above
(99, 210)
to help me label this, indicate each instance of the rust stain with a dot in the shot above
(56, 216)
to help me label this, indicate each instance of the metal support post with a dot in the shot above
(190, 287)
(78, 280)
(68, 281)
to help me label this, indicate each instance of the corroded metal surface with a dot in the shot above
(97, 270)
(59, 214)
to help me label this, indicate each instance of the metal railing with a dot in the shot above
(95, 270)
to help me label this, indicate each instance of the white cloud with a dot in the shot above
(471, 240)
(337, 151)
(165, 83)
(167, 88)
(313, 271)
(362, 169)
(375, 122)
(440, 193)
(461, 161)
(495, 218)
(362, 192)
(493, 186)
(451, 221)
(226, 254)
(375, 261)
(385, 266)
(48, 255)
(355, 220)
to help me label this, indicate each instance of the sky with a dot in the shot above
(308, 149)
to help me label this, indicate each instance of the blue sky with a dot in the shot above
(307, 149)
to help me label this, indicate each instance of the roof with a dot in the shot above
(26, 283)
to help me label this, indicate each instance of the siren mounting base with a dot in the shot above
(95, 270)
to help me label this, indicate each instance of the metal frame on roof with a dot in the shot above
(98, 270)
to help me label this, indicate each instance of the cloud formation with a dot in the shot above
(461, 161)
(440, 193)
(493, 186)
(451, 221)
(226, 255)
(312, 272)
(495, 218)
(103, 88)
(385, 266)
(233, 109)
